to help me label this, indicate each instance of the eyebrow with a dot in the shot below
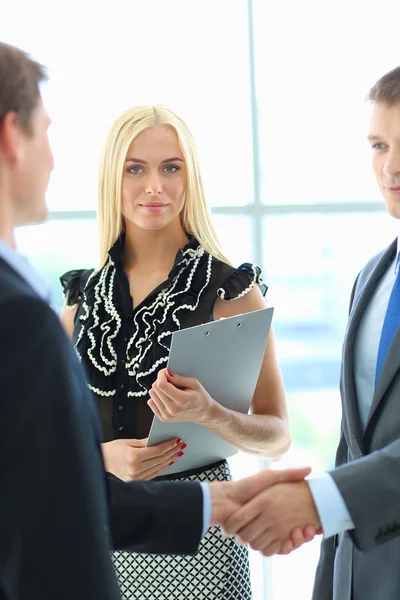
(143, 162)
(373, 138)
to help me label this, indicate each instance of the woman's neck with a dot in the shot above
(155, 250)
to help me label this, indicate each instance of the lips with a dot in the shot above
(153, 206)
(394, 190)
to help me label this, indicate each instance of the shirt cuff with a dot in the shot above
(206, 507)
(332, 510)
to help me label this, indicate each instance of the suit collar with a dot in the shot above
(392, 361)
(25, 270)
(362, 297)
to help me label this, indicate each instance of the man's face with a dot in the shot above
(32, 172)
(384, 137)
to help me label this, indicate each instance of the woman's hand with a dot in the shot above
(176, 398)
(131, 459)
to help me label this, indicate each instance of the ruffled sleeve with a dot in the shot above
(241, 281)
(73, 283)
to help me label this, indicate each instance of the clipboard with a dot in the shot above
(226, 357)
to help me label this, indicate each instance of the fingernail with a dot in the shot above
(178, 441)
(169, 464)
(183, 446)
(180, 454)
(170, 374)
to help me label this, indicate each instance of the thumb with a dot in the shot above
(179, 380)
(249, 487)
(291, 475)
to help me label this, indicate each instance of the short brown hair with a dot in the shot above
(387, 88)
(20, 76)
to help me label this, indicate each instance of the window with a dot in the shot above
(273, 93)
(322, 214)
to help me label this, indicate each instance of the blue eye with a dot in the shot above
(135, 170)
(378, 146)
(171, 168)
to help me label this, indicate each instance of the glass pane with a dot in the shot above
(182, 55)
(311, 85)
(311, 262)
(58, 246)
(234, 232)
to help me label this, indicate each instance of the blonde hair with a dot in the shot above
(195, 216)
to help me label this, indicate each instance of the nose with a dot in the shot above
(153, 185)
(392, 163)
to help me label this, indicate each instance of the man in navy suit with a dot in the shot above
(59, 512)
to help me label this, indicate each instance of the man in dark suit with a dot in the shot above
(59, 514)
(358, 503)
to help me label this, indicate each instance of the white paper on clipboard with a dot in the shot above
(226, 357)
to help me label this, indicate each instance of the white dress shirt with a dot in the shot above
(332, 510)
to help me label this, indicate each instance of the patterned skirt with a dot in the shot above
(218, 571)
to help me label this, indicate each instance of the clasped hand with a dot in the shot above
(273, 512)
(176, 398)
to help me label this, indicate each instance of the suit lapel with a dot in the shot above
(389, 370)
(363, 296)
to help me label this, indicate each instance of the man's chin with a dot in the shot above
(393, 206)
(39, 217)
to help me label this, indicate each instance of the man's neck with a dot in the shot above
(7, 231)
(7, 234)
(6, 218)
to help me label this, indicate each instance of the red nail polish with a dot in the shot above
(183, 446)
(180, 453)
(169, 464)
(178, 441)
(170, 374)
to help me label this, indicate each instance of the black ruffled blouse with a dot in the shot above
(122, 347)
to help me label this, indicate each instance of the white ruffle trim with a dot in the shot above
(221, 292)
(106, 362)
(102, 336)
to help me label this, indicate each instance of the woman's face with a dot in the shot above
(154, 180)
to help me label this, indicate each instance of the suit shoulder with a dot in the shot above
(386, 256)
(28, 316)
(12, 285)
(371, 264)
(18, 298)
(383, 258)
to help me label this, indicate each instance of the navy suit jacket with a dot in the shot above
(60, 513)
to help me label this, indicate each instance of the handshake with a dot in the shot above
(272, 511)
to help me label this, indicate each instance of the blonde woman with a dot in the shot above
(161, 269)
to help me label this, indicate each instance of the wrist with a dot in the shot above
(215, 415)
(310, 503)
(219, 493)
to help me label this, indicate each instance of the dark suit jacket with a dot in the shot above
(364, 563)
(55, 517)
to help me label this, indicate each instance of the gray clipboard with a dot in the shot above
(226, 357)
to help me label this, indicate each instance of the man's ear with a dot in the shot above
(11, 138)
